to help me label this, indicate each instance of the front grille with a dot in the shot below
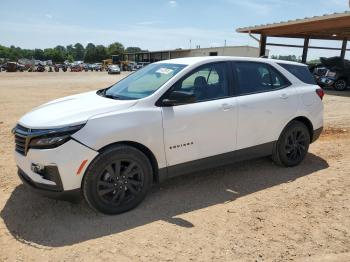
(20, 144)
(21, 139)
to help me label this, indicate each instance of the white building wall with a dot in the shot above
(247, 51)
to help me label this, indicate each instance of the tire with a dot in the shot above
(292, 145)
(117, 180)
(340, 85)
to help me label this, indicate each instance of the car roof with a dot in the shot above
(195, 60)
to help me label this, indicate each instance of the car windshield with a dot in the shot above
(144, 82)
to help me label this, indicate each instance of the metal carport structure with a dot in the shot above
(327, 27)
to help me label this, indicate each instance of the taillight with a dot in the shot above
(320, 93)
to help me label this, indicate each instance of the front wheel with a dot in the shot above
(117, 180)
(340, 85)
(292, 145)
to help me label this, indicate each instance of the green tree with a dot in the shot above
(79, 51)
(70, 58)
(38, 54)
(90, 53)
(101, 53)
(133, 49)
(115, 49)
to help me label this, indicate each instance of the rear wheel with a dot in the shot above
(340, 85)
(117, 180)
(292, 145)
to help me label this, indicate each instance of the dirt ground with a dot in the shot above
(250, 211)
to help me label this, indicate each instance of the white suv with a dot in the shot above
(169, 118)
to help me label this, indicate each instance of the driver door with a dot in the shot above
(206, 127)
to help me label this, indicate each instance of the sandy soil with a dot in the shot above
(250, 211)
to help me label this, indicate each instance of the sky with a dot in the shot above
(154, 24)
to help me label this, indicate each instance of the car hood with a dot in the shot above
(72, 110)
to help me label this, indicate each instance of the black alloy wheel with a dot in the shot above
(120, 182)
(117, 180)
(292, 145)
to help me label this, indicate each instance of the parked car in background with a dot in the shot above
(169, 118)
(76, 68)
(113, 69)
(132, 66)
(333, 72)
(40, 68)
(140, 65)
(98, 67)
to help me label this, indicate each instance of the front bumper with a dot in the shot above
(66, 159)
(48, 190)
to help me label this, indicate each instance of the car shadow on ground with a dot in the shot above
(51, 223)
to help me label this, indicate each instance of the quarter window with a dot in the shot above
(258, 77)
(301, 72)
(209, 82)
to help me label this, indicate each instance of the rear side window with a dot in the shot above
(300, 72)
(254, 77)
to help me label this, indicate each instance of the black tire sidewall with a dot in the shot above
(97, 166)
(340, 89)
(282, 139)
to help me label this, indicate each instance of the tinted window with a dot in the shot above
(301, 72)
(207, 83)
(258, 77)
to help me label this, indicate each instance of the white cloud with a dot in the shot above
(173, 3)
(49, 16)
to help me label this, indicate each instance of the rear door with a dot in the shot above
(208, 126)
(266, 102)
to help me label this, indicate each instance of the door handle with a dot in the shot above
(284, 96)
(226, 107)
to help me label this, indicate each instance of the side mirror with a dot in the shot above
(176, 98)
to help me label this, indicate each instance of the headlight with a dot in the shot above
(52, 138)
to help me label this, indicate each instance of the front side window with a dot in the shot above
(144, 82)
(209, 82)
(258, 77)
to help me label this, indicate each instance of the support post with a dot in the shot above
(305, 49)
(343, 48)
(262, 45)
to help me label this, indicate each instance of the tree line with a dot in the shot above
(90, 53)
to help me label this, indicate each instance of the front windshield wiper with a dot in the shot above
(111, 96)
(103, 93)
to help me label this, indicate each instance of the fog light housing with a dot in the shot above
(37, 168)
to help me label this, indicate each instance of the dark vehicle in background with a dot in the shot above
(86, 67)
(332, 72)
(40, 68)
(76, 68)
(13, 67)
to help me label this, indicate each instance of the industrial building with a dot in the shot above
(154, 56)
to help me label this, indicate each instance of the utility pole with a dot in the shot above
(190, 44)
(223, 49)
